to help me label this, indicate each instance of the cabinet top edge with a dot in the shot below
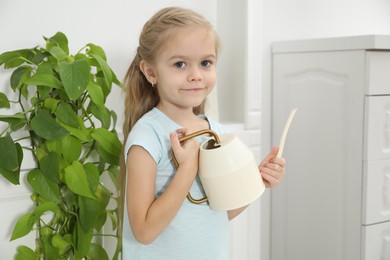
(361, 42)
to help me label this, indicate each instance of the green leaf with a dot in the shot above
(50, 166)
(46, 127)
(60, 40)
(6, 56)
(83, 241)
(89, 212)
(113, 172)
(101, 113)
(55, 146)
(19, 76)
(43, 91)
(19, 151)
(23, 226)
(96, 93)
(61, 243)
(71, 148)
(12, 118)
(108, 141)
(51, 104)
(16, 121)
(114, 119)
(39, 55)
(115, 79)
(24, 90)
(25, 253)
(15, 58)
(103, 195)
(77, 181)
(46, 67)
(100, 80)
(44, 207)
(105, 68)
(106, 157)
(18, 124)
(92, 173)
(46, 80)
(45, 187)
(4, 102)
(97, 252)
(49, 250)
(95, 49)
(8, 152)
(114, 219)
(81, 134)
(9, 159)
(66, 114)
(10, 176)
(57, 53)
(75, 77)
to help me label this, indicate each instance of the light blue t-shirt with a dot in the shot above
(197, 232)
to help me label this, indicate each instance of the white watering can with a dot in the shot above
(228, 172)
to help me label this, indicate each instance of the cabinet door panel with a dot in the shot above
(376, 192)
(377, 128)
(320, 195)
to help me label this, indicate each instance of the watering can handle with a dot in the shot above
(187, 137)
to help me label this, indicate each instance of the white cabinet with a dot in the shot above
(334, 203)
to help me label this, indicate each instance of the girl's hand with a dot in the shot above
(272, 169)
(186, 153)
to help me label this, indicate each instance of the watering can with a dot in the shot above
(228, 172)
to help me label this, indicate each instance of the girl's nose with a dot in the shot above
(194, 74)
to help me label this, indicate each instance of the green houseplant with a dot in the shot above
(60, 117)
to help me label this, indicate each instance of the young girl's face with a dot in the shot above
(185, 68)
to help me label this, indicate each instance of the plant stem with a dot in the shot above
(20, 101)
(5, 130)
(86, 155)
(104, 235)
(20, 139)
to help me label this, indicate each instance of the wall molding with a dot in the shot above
(253, 59)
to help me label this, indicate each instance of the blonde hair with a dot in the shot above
(140, 95)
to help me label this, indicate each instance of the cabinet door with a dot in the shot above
(316, 211)
(377, 127)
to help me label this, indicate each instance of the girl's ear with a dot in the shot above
(148, 71)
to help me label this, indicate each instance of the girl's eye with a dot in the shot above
(206, 63)
(180, 64)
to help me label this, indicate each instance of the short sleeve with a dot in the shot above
(144, 135)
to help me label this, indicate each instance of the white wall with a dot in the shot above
(302, 19)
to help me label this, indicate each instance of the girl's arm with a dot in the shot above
(149, 216)
(272, 170)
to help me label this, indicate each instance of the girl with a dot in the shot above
(166, 87)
